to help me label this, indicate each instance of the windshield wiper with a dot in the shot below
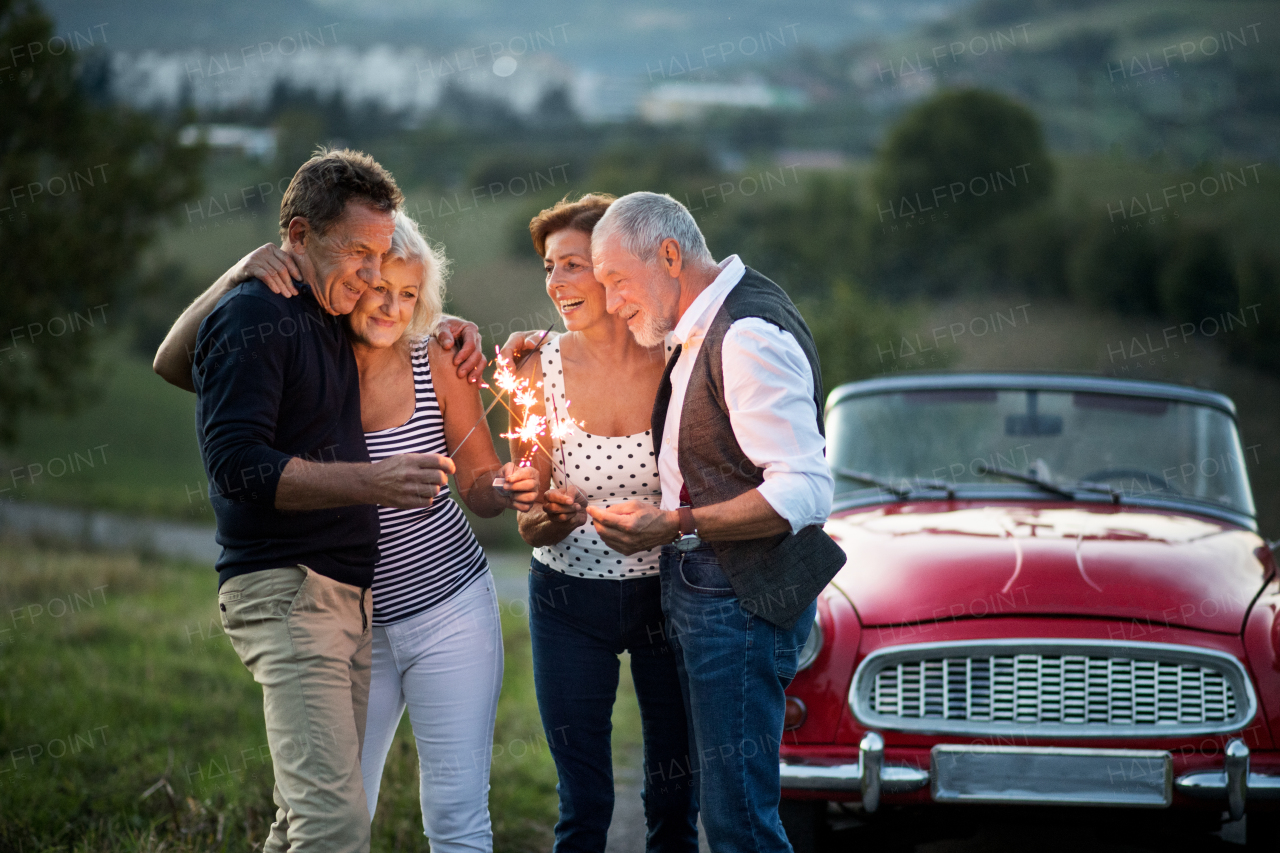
(869, 479)
(1100, 488)
(1066, 490)
(983, 469)
(882, 483)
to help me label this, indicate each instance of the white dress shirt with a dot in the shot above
(768, 388)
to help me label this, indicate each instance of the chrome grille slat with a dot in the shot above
(1037, 688)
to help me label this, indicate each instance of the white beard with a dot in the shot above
(650, 332)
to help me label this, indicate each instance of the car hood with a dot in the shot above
(928, 561)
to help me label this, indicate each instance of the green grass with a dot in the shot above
(115, 675)
(133, 449)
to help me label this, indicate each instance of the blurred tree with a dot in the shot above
(1115, 270)
(1028, 253)
(854, 331)
(465, 108)
(971, 157)
(1198, 279)
(754, 131)
(555, 109)
(956, 177)
(85, 188)
(665, 167)
(299, 131)
(804, 241)
(1256, 342)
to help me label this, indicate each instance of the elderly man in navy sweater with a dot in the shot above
(278, 420)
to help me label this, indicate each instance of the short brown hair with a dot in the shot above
(581, 215)
(321, 188)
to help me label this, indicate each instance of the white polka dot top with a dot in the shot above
(609, 470)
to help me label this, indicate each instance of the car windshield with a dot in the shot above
(923, 442)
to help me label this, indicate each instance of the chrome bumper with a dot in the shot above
(1234, 782)
(871, 777)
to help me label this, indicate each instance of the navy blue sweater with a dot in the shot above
(275, 379)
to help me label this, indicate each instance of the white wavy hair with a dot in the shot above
(643, 220)
(409, 244)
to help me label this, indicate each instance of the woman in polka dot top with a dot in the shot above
(588, 603)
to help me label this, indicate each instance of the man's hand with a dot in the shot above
(635, 526)
(409, 480)
(520, 344)
(565, 507)
(454, 332)
(521, 491)
(273, 265)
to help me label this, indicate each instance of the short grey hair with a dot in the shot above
(644, 220)
(408, 243)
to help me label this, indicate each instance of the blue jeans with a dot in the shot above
(733, 669)
(579, 626)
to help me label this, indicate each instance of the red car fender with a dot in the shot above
(1262, 646)
(824, 686)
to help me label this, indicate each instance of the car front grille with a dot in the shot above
(1059, 687)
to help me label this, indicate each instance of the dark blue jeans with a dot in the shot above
(734, 667)
(579, 626)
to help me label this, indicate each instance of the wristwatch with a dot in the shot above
(688, 539)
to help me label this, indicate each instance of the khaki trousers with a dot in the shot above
(306, 639)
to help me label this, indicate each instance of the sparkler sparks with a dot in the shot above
(503, 376)
(526, 398)
(532, 426)
(560, 429)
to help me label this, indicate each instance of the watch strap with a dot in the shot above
(687, 526)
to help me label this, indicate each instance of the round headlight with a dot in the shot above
(812, 646)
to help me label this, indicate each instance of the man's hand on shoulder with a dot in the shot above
(463, 337)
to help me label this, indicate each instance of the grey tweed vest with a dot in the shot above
(775, 577)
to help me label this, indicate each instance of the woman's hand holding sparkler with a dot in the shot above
(566, 506)
(516, 487)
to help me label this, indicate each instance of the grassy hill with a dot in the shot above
(1192, 79)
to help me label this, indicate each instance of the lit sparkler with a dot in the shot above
(531, 427)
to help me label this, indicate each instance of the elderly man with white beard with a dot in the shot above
(738, 437)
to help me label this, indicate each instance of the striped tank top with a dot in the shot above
(428, 554)
(609, 469)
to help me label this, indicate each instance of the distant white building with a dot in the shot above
(685, 101)
(408, 80)
(256, 142)
(815, 159)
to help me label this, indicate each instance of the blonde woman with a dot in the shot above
(437, 640)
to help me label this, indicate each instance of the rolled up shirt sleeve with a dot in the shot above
(239, 376)
(768, 388)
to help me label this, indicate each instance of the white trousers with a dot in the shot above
(445, 665)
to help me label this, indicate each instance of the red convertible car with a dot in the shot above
(1056, 595)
